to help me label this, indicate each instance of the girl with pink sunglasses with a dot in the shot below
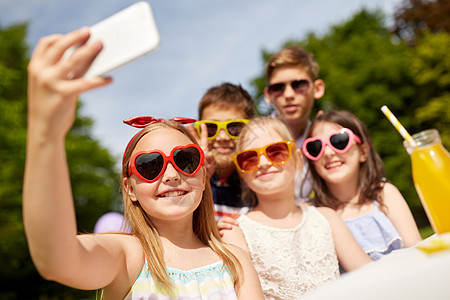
(348, 176)
(174, 250)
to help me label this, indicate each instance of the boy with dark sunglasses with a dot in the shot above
(292, 87)
(223, 111)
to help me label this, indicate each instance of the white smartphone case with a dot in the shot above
(126, 36)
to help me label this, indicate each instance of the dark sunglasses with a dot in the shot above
(299, 86)
(248, 160)
(340, 141)
(231, 127)
(150, 165)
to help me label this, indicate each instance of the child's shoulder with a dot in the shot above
(389, 188)
(329, 214)
(236, 250)
(129, 257)
(123, 238)
(326, 211)
(391, 193)
(125, 243)
(392, 197)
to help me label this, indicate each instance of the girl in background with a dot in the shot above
(174, 249)
(348, 176)
(294, 248)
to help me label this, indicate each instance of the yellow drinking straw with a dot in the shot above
(398, 126)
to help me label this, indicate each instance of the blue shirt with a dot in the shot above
(375, 233)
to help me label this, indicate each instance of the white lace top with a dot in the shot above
(291, 262)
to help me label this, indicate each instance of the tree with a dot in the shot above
(414, 17)
(430, 68)
(92, 168)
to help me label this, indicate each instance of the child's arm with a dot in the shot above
(400, 215)
(235, 236)
(350, 255)
(250, 287)
(87, 261)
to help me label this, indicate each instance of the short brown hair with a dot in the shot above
(293, 56)
(227, 95)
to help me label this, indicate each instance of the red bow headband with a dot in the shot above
(144, 121)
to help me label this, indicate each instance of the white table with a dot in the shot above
(403, 274)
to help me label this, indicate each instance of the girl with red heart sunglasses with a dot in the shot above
(174, 249)
(348, 176)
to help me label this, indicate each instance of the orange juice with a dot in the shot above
(431, 174)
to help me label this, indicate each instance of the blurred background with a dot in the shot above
(395, 54)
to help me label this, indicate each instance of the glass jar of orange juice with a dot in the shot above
(431, 174)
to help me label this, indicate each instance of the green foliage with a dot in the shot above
(94, 178)
(426, 232)
(364, 67)
(430, 67)
(13, 248)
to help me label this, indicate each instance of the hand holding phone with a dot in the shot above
(126, 36)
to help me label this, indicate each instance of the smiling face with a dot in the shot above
(333, 167)
(223, 146)
(174, 195)
(267, 178)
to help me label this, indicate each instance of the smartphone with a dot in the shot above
(126, 36)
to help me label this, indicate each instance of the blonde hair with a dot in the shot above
(247, 133)
(293, 56)
(204, 223)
